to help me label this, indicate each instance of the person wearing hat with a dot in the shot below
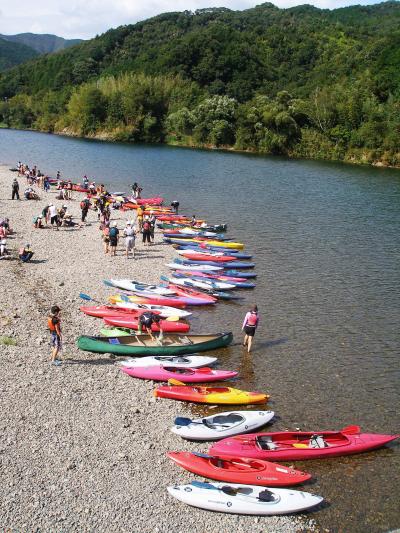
(25, 253)
(114, 236)
(53, 215)
(130, 237)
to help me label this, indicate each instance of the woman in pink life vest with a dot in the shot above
(249, 327)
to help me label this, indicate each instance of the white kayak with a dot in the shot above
(197, 268)
(243, 499)
(208, 285)
(175, 361)
(165, 310)
(219, 426)
(142, 288)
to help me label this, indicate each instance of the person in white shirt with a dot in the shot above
(53, 215)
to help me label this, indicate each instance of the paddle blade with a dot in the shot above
(85, 297)
(202, 455)
(203, 485)
(182, 421)
(124, 298)
(164, 278)
(173, 381)
(107, 283)
(351, 430)
(172, 319)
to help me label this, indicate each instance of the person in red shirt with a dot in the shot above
(249, 327)
(54, 325)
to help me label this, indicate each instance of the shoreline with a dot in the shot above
(228, 149)
(83, 445)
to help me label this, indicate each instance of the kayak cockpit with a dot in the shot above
(301, 440)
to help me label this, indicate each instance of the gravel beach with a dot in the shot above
(82, 445)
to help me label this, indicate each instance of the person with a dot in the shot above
(193, 221)
(134, 189)
(38, 222)
(139, 217)
(146, 230)
(15, 189)
(106, 236)
(175, 206)
(152, 220)
(61, 214)
(54, 325)
(3, 247)
(85, 182)
(45, 213)
(46, 184)
(84, 208)
(249, 327)
(114, 236)
(53, 215)
(25, 253)
(130, 235)
(146, 320)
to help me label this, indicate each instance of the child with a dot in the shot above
(54, 325)
(250, 324)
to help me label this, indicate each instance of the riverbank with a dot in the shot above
(83, 446)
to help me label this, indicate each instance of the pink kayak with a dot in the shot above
(150, 201)
(132, 322)
(101, 311)
(186, 375)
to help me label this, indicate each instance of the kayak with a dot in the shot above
(208, 285)
(221, 425)
(239, 469)
(300, 445)
(203, 268)
(222, 244)
(101, 311)
(214, 251)
(186, 375)
(188, 291)
(183, 299)
(164, 310)
(228, 265)
(201, 256)
(133, 323)
(187, 361)
(172, 344)
(135, 286)
(243, 499)
(155, 300)
(240, 274)
(217, 395)
(201, 276)
(175, 225)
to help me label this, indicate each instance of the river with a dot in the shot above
(326, 241)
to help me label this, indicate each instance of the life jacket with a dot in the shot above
(146, 225)
(252, 320)
(51, 326)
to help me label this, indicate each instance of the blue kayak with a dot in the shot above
(240, 274)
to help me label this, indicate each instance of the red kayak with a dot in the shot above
(193, 256)
(239, 469)
(157, 300)
(133, 323)
(185, 375)
(300, 445)
(186, 291)
(101, 311)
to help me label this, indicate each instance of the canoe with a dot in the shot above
(179, 361)
(133, 323)
(133, 285)
(144, 345)
(185, 375)
(221, 425)
(163, 310)
(217, 395)
(239, 469)
(300, 445)
(243, 499)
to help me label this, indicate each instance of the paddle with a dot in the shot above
(174, 381)
(183, 421)
(108, 283)
(88, 298)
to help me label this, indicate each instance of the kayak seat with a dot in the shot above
(266, 496)
(265, 443)
(227, 419)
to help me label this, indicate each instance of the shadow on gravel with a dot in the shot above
(38, 261)
(95, 362)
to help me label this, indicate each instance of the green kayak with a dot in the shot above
(115, 332)
(143, 345)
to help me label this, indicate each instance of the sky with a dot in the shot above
(86, 18)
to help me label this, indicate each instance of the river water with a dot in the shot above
(326, 241)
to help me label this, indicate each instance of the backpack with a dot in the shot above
(146, 225)
(252, 320)
(83, 204)
(113, 232)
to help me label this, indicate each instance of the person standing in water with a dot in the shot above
(249, 327)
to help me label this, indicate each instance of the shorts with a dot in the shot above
(250, 330)
(130, 243)
(55, 340)
(113, 241)
(53, 220)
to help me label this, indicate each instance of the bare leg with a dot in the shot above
(245, 340)
(54, 353)
(249, 342)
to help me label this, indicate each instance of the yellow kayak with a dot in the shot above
(215, 395)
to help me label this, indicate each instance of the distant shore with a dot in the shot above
(83, 446)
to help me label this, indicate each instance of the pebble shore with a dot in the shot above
(82, 445)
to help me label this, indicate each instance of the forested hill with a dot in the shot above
(44, 43)
(12, 54)
(302, 81)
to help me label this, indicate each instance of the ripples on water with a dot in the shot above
(326, 240)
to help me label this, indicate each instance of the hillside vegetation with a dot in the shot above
(42, 43)
(300, 81)
(13, 54)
